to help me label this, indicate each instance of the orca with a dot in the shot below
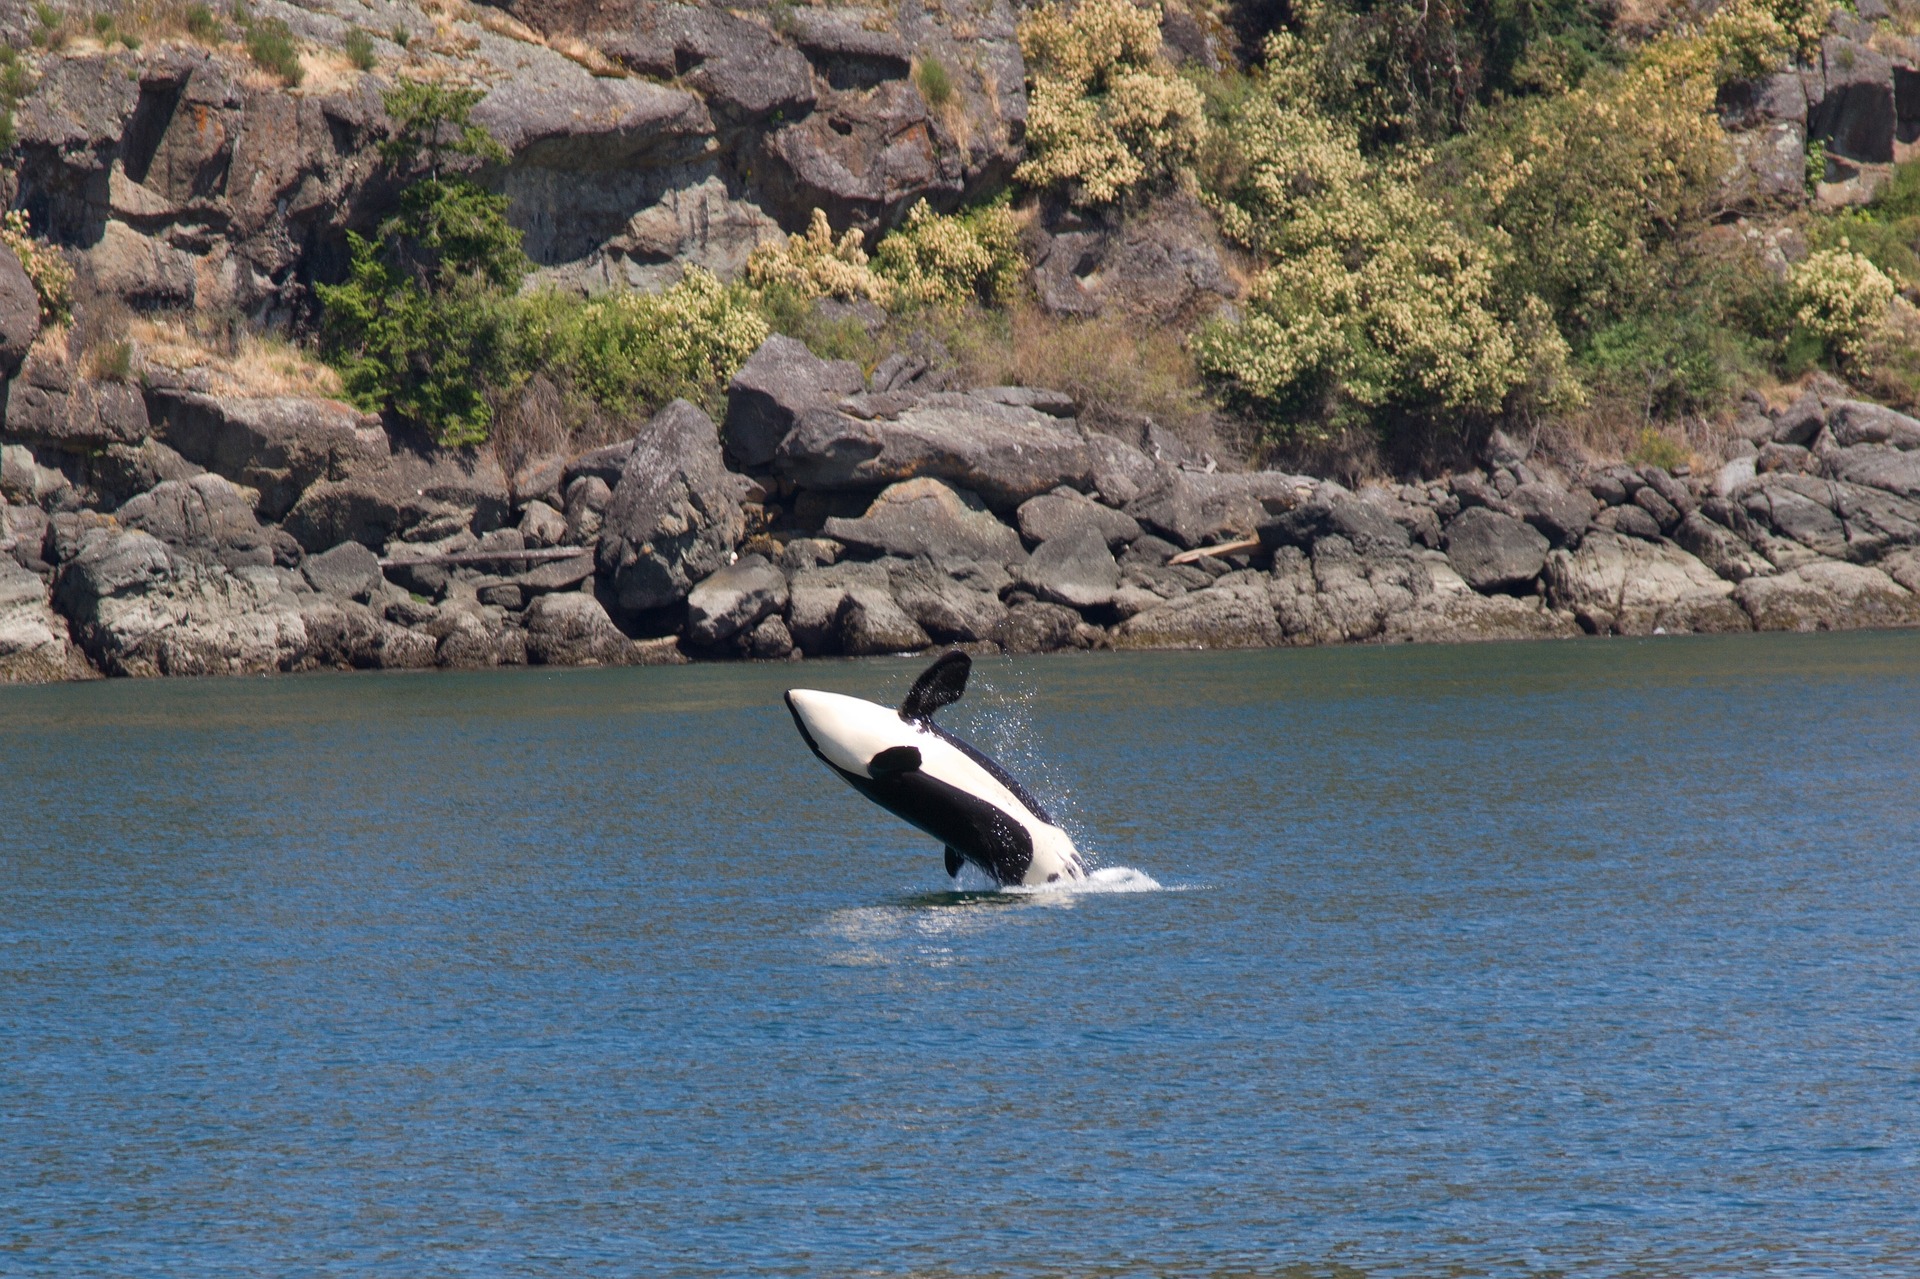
(924, 775)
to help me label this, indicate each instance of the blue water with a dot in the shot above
(1591, 958)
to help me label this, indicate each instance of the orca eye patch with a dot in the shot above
(893, 761)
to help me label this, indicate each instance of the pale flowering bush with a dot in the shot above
(45, 266)
(1106, 117)
(813, 265)
(958, 258)
(1842, 298)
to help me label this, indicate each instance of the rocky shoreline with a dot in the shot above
(167, 508)
(829, 513)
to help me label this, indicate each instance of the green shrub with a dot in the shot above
(424, 325)
(936, 84)
(270, 45)
(1399, 72)
(966, 257)
(1651, 448)
(358, 46)
(400, 36)
(830, 336)
(1665, 363)
(50, 29)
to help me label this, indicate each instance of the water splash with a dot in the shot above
(1104, 879)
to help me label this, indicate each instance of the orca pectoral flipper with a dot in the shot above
(939, 685)
(954, 862)
(893, 761)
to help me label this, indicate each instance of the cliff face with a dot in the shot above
(641, 137)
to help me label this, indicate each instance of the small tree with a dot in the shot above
(421, 327)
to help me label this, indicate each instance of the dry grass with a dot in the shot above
(1604, 434)
(235, 363)
(1121, 373)
(540, 418)
(327, 70)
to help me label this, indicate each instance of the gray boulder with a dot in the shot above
(277, 445)
(1235, 612)
(205, 518)
(475, 636)
(816, 597)
(138, 270)
(542, 525)
(1799, 422)
(1858, 422)
(1721, 550)
(1040, 627)
(407, 496)
(50, 405)
(1665, 514)
(1064, 511)
(1828, 596)
(780, 381)
(349, 571)
(1561, 515)
(606, 464)
(1075, 569)
(925, 517)
(343, 634)
(1855, 115)
(34, 646)
(1341, 593)
(19, 313)
(588, 498)
(675, 514)
(572, 629)
(1120, 472)
(119, 472)
(872, 623)
(1494, 552)
(1166, 263)
(1633, 587)
(1370, 527)
(734, 600)
(1448, 611)
(1005, 453)
(137, 610)
(1192, 509)
(770, 640)
(953, 602)
(1833, 518)
(1628, 521)
(1876, 466)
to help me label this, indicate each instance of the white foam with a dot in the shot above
(1105, 879)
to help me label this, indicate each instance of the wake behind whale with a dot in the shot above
(923, 774)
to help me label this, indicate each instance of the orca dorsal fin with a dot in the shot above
(954, 862)
(939, 685)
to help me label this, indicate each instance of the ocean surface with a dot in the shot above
(1590, 958)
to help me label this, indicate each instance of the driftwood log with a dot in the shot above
(1224, 548)
(494, 557)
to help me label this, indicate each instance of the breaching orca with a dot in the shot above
(926, 776)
